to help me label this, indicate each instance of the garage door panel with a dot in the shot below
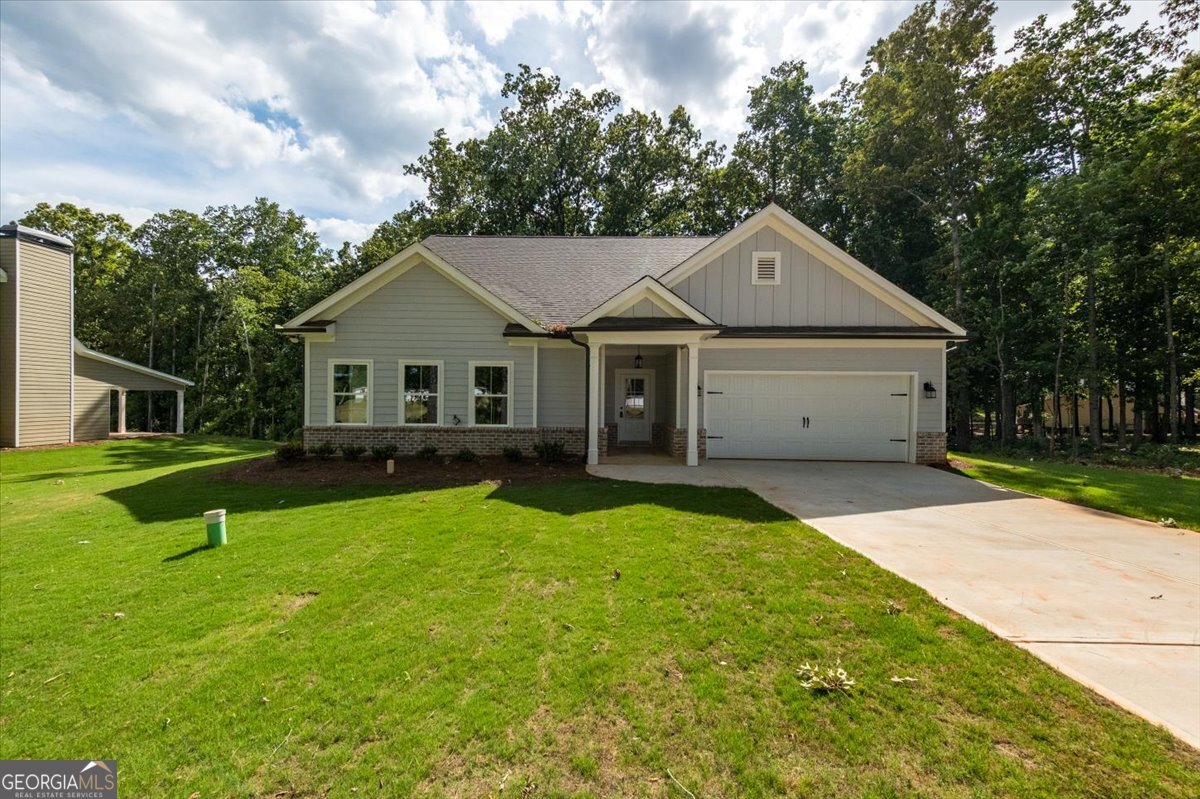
(851, 417)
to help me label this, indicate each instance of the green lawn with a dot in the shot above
(1140, 494)
(472, 641)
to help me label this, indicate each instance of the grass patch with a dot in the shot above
(579, 638)
(1130, 492)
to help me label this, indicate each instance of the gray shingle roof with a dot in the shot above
(557, 279)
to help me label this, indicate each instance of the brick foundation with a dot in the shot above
(675, 442)
(931, 447)
(448, 440)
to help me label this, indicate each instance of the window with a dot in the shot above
(491, 393)
(766, 268)
(350, 392)
(420, 392)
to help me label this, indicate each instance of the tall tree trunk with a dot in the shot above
(1172, 364)
(1189, 411)
(1093, 378)
(1121, 401)
(1056, 422)
(1112, 421)
(962, 405)
(1138, 425)
(1075, 429)
(1035, 413)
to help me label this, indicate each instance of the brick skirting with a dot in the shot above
(675, 442)
(931, 447)
(448, 440)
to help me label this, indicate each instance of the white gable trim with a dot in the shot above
(815, 244)
(396, 266)
(646, 288)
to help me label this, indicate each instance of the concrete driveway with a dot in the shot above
(1112, 602)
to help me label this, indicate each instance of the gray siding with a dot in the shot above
(810, 291)
(92, 402)
(421, 315)
(8, 344)
(648, 309)
(926, 361)
(562, 380)
(45, 344)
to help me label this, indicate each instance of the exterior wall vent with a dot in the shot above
(766, 269)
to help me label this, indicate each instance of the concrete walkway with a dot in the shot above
(1110, 601)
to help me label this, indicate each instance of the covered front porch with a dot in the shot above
(643, 402)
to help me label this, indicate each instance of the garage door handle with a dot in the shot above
(714, 392)
(900, 440)
(710, 438)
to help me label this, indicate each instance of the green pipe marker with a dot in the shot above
(214, 520)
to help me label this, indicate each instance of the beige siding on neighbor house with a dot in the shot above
(420, 315)
(562, 375)
(925, 361)
(116, 376)
(45, 344)
(810, 291)
(92, 403)
(8, 344)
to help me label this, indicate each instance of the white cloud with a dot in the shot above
(334, 231)
(496, 18)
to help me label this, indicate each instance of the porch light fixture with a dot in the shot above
(637, 359)
(930, 391)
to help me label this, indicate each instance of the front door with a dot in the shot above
(634, 404)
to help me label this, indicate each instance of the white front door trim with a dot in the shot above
(648, 399)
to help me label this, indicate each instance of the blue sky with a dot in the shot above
(146, 106)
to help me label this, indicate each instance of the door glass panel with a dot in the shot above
(635, 397)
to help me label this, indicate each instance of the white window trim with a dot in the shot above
(441, 392)
(329, 408)
(777, 256)
(512, 392)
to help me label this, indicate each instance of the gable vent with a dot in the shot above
(766, 269)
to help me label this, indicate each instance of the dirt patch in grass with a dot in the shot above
(439, 473)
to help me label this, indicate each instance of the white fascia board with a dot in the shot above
(397, 265)
(644, 337)
(644, 288)
(808, 239)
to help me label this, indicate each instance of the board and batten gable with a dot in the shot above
(44, 342)
(809, 292)
(420, 315)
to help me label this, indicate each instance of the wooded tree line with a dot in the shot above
(1048, 201)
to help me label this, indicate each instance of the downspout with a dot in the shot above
(587, 388)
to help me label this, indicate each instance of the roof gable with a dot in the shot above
(646, 296)
(847, 268)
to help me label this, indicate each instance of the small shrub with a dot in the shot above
(382, 452)
(550, 451)
(513, 454)
(427, 453)
(289, 452)
(323, 451)
(353, 452)
(467, 456)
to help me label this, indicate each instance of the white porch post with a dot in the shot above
(593, 432)
(179, 410)
(693, 404)
(120, 410)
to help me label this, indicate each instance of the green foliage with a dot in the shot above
(427, 453)
(323, 451)
(289, 451)
(383, 452)
(353, 452)
(466, 455)
(550, 451)
(513, 454)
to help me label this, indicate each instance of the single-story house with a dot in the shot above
(53, 389)
(766, 342)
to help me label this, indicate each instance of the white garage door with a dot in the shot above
(807, 416)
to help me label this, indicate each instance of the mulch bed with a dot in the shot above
(438, 473)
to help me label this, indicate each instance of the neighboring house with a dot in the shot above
(766, 342)
(54, 390)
